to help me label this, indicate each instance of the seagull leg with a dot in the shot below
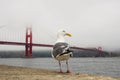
(68, 71)
(60, 67)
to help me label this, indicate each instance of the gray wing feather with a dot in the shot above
(60, 48)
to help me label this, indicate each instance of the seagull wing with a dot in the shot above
(60, 48)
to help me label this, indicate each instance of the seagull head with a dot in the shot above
(60, 35)
(62, 32)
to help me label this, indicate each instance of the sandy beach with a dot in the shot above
(24, 73)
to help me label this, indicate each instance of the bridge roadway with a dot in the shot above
(41, 45)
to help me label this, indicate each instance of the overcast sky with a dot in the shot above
(92, 23)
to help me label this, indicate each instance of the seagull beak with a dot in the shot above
(68, 34)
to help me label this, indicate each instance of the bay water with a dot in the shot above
(96, 66)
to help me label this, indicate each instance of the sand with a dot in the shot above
(24, 73)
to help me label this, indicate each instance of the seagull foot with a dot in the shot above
(68, 71)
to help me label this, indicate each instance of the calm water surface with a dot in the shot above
(99, 66)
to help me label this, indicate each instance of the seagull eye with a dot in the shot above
(63, 31)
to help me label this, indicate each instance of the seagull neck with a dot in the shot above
(60, 39)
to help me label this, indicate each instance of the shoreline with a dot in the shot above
(25, 73)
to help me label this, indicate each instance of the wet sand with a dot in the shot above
(24, 73)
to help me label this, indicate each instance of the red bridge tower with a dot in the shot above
(100, 51)
(28, 46)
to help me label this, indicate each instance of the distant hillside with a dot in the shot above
(115, 53)
(84, 53)
(21, 54)
(47, 53)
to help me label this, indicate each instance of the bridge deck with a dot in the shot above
(39, 45)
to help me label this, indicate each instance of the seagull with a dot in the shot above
(61, 49)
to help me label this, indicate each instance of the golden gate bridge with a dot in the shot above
(29, 44)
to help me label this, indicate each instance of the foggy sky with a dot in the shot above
(92, 23)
